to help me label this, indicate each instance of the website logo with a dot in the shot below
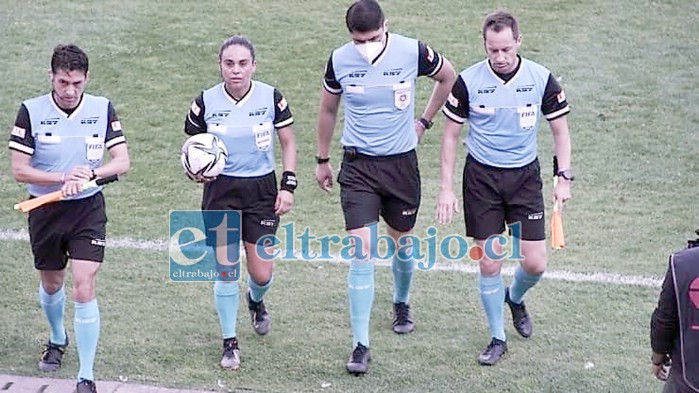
(204, 245)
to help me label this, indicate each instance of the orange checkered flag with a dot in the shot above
(557, 236)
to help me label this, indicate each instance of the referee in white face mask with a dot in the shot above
(375, 75)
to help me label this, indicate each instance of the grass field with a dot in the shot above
(629, 71)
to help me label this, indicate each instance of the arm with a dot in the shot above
(194, 123)
(287, 140)
(116, 144)
(285, 197)
(447, 203)
(327, 119)
(444, 80)
(554, 106)
(118, 164)
(22, 171)
(664, 325)
(562, 146)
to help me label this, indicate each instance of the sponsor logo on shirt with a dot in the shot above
(258, 112)
(51, 121)
(487, 90)
(90, 120)
(524, 89)
(393, 72)
(357, 74)
(220, 114)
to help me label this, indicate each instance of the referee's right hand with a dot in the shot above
(324, 176)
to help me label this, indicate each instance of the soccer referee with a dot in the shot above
(57, 143)
(375, 76)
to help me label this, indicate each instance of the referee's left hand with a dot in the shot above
(73, 187)
(284, 203)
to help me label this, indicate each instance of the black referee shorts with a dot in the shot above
(388, 186)
(495, 196)
(74, 229)
(254, 197)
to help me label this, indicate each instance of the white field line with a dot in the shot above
(445, 266)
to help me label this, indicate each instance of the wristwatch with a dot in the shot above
(322, 160)
(566, 174)
(425, 123)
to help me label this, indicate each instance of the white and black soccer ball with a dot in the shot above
(203, 156)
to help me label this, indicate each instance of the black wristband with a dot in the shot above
(288, 181)
(322, 160)
(425, 123)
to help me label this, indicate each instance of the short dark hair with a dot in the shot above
(364, 16)
(237, 40)
(500, 20)
(69, 58)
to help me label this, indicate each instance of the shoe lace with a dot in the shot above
(52, 353)
(493, 343)
(229, 346)
(358, 353)
(402, 314)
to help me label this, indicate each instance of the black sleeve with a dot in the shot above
(282, 112)
(21, 138)
(554, 104)
(664, 325)
(195, 123)
(456, 107)
(429, 61)
(114, 135)
(329, 80)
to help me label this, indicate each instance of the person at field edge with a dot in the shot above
(503, 98)
(57, 143)
(245, 114)
(376, 73)
(674, 328)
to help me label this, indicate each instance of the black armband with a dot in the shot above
(288, 181)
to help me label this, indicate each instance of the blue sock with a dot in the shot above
(521, 284)
(226, 300)
(87, 334)
(257, 291)
(54, 307)
(360, 283)
(403, 267)
(493, 298)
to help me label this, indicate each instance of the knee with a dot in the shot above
(51, 287)
(534, 265)
(488, 267)
(83, 289)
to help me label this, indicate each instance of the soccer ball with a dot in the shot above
(203, 156)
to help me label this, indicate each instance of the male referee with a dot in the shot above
(57, 143)
(504, 98)
(376, 73)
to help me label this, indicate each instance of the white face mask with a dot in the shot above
(369, 50)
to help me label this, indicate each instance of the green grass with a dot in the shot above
(629, 71)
